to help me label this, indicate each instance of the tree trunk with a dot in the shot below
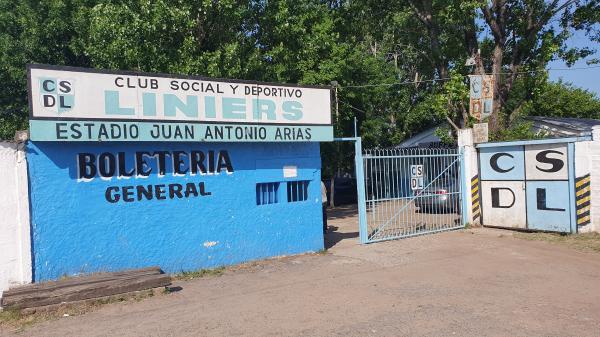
(332, 192)
(495, 122)
(423, 10)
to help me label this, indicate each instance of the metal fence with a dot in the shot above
(412, 191)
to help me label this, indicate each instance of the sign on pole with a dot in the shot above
(481, 94)
(480, 133)
(416, 177)
(475, 88)
(487, 95)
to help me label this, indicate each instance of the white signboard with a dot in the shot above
(290, 171)
(416, 171)
(480, 133)
(476, 82)
(74, 95)
(481, 96)
(416, 177)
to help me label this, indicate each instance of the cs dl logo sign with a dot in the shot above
(57, 94)
(526, 186)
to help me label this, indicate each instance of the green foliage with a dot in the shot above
(536, 96)
(31, 31)
(142, 35)
(194, 274)
(559, 99)
(453, 100)
(355, 43)
(445, 135)
(10, 123)
(520, 130)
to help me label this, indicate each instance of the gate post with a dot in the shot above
(464, 190)
(360, 186)
(572, 200)
(470, 177)
(587, 172)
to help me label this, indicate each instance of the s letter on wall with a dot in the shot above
(528, 185)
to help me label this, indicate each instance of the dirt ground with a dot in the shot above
(479, 282)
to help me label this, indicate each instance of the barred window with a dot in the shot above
(297, 190)
(266, 193)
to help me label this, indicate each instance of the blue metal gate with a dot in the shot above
(409, 192)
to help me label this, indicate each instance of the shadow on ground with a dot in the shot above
(342, 225)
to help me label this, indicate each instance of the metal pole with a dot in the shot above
(572, 176)
(336, 127)
(337, 111)
(360, 186)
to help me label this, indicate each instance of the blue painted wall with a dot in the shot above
(76, 230)
(556, 213)
(511, 164)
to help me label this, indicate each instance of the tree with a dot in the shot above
(552, 99)
(524, 37)
(560, 99)
(32, 31)
(400, 64)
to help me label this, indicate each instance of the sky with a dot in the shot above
(584, 78)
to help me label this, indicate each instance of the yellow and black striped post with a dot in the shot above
(583, 199)
(475, 198)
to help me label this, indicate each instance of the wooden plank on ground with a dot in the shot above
(80, 280)
(93, 286)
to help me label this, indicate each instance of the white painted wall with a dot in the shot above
(15, 240)
(465, 142)
(587, 160)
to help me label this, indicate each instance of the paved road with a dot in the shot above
(462, 283)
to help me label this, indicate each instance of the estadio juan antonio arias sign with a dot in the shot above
(76, 104)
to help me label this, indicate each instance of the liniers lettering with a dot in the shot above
(143, 164)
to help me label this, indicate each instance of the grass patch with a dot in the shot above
(15, 319)
(191, 275)
(250, 266)
(10, 315)
(582, 241)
